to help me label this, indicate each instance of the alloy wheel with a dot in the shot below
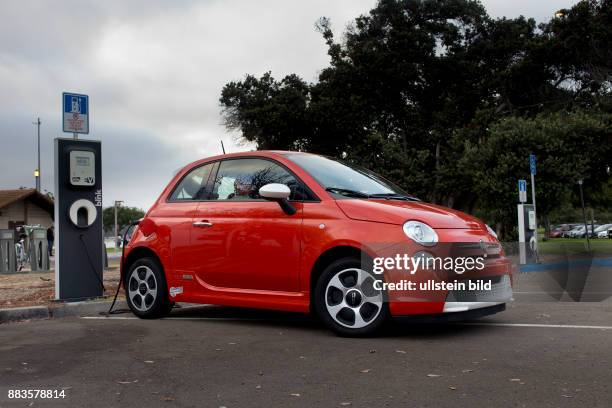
(351, 299)
(142, 288)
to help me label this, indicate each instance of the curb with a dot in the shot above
(58, 310)
(23, 313)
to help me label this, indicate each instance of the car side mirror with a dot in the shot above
(279, 193)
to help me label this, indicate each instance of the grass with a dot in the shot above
(575, 245)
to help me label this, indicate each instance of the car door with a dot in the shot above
(175, 216)
(242, 241)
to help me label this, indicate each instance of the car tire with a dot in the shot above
(146, 290)
(346, 302)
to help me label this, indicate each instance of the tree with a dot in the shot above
(568, 145)
(271, 113)
(125, 215)
(576, 48)
(416, 84)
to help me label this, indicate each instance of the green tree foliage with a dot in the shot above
(271, 113)
(570, 146)
(418, 88)
(125, 215)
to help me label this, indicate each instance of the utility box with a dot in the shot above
(39, 250)
(7, 251)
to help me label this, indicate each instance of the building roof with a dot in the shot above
(8, 197)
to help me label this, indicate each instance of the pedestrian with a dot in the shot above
(50, 239)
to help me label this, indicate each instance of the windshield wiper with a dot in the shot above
(358, 194)
(347, 192)
(394, 196)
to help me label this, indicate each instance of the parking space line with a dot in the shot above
(514, 292)
(562, 326)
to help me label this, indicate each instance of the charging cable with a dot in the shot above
(121, 264)
(91, 265)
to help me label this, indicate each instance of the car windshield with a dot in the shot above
(347, 180)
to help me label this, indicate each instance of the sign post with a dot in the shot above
(532, 170)
(75, 113)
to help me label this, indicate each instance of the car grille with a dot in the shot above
(490, 250)
(501, 291)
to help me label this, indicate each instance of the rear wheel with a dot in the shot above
(346, 300)
(145, 289)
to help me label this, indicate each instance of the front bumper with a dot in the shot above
(461, 301)
(456, 316)
(458, 307)
(457, 301)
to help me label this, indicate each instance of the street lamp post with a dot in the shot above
(37, 171)
(117, 204)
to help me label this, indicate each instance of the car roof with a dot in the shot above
(602, 226)
(250, 153)
(270, 153)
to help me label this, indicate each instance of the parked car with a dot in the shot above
(579, 231)
(566, 232)
(602, 231)
(572, 233)
(296, 232)
(557, 231)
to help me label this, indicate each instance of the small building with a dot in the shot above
(25, 206)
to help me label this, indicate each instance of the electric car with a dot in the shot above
(301, 232)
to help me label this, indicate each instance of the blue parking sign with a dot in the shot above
(75, 113)
(532, 163)
(522, 186)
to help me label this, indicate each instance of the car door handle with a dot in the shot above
(202, 224)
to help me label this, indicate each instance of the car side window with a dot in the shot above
(193, 185)
(241, 179)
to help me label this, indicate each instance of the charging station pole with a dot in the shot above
(532, 170)
(78, 207)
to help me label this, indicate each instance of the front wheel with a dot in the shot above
(346, 300)
(145, 289)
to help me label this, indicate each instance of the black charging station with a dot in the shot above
(79, 241)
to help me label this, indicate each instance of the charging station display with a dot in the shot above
(82, 168)
(79, 256)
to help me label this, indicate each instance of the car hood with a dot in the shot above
(398, 212)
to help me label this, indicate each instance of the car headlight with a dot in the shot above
(420, 233)
(490, 230)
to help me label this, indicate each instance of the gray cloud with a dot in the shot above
(154, 71)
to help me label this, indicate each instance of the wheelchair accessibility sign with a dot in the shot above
(75, 113)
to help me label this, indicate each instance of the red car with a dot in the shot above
(300, 232)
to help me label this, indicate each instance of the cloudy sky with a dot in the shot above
(154, 71)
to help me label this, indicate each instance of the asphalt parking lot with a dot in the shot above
(532, 355)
